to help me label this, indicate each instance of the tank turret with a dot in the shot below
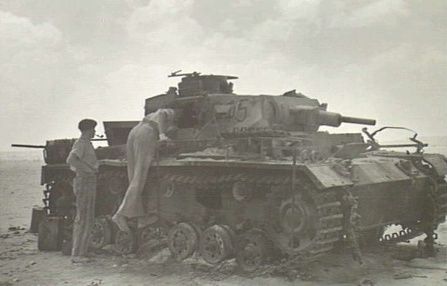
(207, 103)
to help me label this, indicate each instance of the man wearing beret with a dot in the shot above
(82, 160)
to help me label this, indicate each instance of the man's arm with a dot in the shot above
(74, 160)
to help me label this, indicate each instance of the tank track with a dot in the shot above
(331, 227)
(329, 215)
(438, 202)
(401, 236)
(438, 198)
(46, 197)
(53, 191)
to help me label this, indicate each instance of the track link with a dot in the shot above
(440, 202)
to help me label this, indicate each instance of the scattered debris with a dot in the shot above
(200, 267)
(420, 276)
(292, 274)
(425, 267)
(406, 275)
(151, 248)
(304, 276)
(399, 276)
(75, 260)
(96, 282)
(15, 228)
(405, 253)
(366, 282)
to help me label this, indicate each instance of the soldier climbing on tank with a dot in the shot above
(141, 151)
(83, 162)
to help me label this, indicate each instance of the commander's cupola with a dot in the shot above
(193, 84)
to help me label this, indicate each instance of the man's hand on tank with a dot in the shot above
(165, 141)
(164, 138)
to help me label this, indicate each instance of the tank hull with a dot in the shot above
(301, 209)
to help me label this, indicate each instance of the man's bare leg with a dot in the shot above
(121, 222)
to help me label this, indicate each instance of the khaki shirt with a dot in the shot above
(83, 149)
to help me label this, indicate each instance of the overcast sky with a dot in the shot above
(63, 60)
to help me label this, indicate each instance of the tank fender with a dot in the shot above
(361, 172)
(366, 171)
(112, 163)
(325, 176)
(438, 162)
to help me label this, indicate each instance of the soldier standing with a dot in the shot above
(82, 160)
(141, 151)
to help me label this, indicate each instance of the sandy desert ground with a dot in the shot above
(22, 264)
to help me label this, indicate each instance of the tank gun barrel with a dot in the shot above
(358, 120)
(336, 119)
(28, 146)
(314, 116)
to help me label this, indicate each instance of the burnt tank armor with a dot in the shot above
(251, 176)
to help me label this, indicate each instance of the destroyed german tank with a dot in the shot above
(252, 177)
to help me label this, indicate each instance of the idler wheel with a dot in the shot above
(101, 233)
(183, 239)
(216, 244)
(125, 242)
(253, 250)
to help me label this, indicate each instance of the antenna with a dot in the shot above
(176, 73)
